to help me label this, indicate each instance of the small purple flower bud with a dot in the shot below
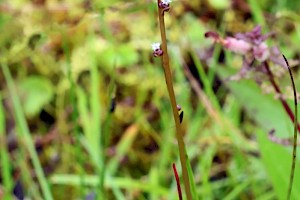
(157, 51)
(211, 34)
(178, 107)
(251, 43)
(165, 5)
(233, 44)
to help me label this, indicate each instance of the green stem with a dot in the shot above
(295, 133)
(179, 135)
(4, 155)
(74, 115)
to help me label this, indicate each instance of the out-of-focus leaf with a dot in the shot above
(264, 109)
(123, 55)
(105, 4)
(219, 4)
(269, 114)
(36, 92)
(277, 161)
(194, 30)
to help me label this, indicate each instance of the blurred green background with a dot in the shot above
(63, 63)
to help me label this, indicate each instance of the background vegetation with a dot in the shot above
(64, 62)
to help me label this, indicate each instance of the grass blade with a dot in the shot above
(21, 121)
(5, 160)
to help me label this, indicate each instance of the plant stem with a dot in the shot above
(293, 117)
(177, 182)
(179, 136)
(278, 91)
(295, 133)
(74, 115)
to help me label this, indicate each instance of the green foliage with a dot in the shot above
(5, 159)
(277, 160)
(64, 62)
(123, 55)
(36, 93)
(267, 112)
(219, 4)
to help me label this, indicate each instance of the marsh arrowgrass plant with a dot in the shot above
(164, 6)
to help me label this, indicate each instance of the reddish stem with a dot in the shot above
(282, 100)
(177, 182)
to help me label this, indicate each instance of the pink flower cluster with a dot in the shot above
(249, 43)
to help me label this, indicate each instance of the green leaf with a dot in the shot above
(277, 161)
(194, 30)
(36, 92)
(264, 109)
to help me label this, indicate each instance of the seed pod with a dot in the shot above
(181, 117)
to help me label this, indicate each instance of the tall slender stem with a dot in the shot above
(295, 133)
(168, 77)
(293, 117)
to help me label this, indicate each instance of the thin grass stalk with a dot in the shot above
(106, 135)
(96, 139)
(74, 115)
(295, 132)
(177, 182)
(179, 134)
(293, 117)
(20, 118)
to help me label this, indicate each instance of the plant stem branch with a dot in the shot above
(168, 77)
(177, 182)
(278, 91)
